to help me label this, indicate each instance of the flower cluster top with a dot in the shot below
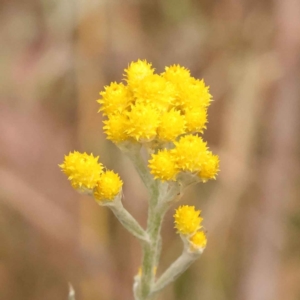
(166, 112)
(154, 106)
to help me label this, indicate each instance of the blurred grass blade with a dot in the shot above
(71, 292)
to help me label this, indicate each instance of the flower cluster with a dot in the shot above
(166, 111)
(188, 225)
(190, 154)
(88, 175)
(154, 106)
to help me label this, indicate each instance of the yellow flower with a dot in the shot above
(136, 72)
(162, 166)
(155, 90)
(83, 170)
(210, 167)
(187, 220)
(143, 122)
(198, 240)
(196, 94)
(108, 187)
(190, 152)
(176, 74)
(115, 98)
(115, 127)
(179, 77)
(172, 124)
(161, 108)
(196, 118)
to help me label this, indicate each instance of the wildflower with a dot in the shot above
(210, 167)
(196, 94)
(83, 170)
(163, 166)
(198, 240)
(190, 153)
(115, 127)
(108, 186)
(176, 74)
(196, 118)
(187, 220)
(136, 72)
(155, 90)
(172, 124)
(143, 121)
(164, 113)
(115, 98)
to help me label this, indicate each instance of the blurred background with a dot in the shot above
(55, 57)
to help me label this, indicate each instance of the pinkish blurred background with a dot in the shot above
(55, 57)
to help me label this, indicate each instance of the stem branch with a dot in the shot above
(175, 270)
(127, 220)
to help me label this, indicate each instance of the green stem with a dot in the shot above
(162, 195)
(126, 219)
(133, 152)
(129, 222)
(149, 250)
(175, 270)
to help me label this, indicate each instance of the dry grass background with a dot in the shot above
(56, 55)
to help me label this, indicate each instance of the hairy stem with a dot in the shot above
(162, 195)
(175, 270)
(150, 250)
(134, 154)
(129, 222)
(126, 219)
(158, 205)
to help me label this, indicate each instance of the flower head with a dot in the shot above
(155, 90)
(172, 124)
(115, 127)
(179, 77)
(82, 169)
(163, 166)
(198, 240)
(176, 74)
(115, 98)
(108, 186)
(190, 152)
(136, 72)
(196, 94)
(143, 121)
(210, 167)
(195, 118)
(187, 220)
